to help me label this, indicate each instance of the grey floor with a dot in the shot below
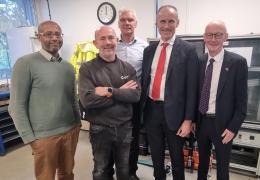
(17, 164)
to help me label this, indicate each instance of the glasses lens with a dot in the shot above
(218, 35)
(209, 35)
(51, 35)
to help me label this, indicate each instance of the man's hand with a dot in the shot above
(129, 85)
(185, 128)
(102, 91)
(227, 136)
(193, 128)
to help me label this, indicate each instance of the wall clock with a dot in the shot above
(106, 13)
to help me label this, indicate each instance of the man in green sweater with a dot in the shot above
(44, 108)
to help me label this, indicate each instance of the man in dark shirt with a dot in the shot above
(107, 89)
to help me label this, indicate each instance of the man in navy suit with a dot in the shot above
(169, 93)
(225, 109)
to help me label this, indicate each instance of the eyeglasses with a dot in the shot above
(217, 35)
(51, 34)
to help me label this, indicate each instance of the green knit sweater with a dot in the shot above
(43, 101)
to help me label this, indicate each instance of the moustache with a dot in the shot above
(109, 47)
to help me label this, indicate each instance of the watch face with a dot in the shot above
(106, 13)
(110, 90)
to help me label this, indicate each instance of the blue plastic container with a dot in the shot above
(2, 148)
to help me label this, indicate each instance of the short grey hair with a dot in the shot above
(124, 10)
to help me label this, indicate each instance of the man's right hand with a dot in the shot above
(193, 128)
(129, 85)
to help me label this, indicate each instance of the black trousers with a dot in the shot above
(207, 136)
(110, 143)
(157, 132)
(134, 148)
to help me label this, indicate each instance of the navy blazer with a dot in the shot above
(181, 82)
(231, 100)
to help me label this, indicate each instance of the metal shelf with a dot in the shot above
(6, 140)
(248, 136)
(252, 126)
(8, 133)
(239, 166)
(243, 167)
(6, 125)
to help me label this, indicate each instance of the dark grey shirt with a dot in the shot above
(116, 110)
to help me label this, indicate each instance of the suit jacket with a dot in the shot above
(181, 82)
(231, 100)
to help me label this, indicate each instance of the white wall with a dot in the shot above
(241, 16)
(78, 18)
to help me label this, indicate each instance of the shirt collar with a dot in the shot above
(49, 57)
(170, 41)
(132, 42)
(102, 60)
(219, 57)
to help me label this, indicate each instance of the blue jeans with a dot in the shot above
(110, 141)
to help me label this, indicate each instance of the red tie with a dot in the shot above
(159, 72)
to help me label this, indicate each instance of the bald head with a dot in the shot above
(102, 30)
(218, 25)
(214, 37)
(106, 42)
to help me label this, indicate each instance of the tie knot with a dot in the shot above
(165, 45)
(211, 61)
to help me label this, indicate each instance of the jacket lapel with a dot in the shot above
(147, 64)
(224, 72)
(175, 55)
(151, 56)
(203, 66)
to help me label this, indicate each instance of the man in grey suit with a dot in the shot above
(223, 100)
(169, 93)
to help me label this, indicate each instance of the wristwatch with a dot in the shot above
(110, 90)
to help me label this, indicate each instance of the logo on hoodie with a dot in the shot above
(124, 77)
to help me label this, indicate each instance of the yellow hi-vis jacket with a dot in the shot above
(85, 51)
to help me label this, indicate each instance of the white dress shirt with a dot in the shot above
(155, 63)
(132, 53)
(215, 79)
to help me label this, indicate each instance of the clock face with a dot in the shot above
(106, 13)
